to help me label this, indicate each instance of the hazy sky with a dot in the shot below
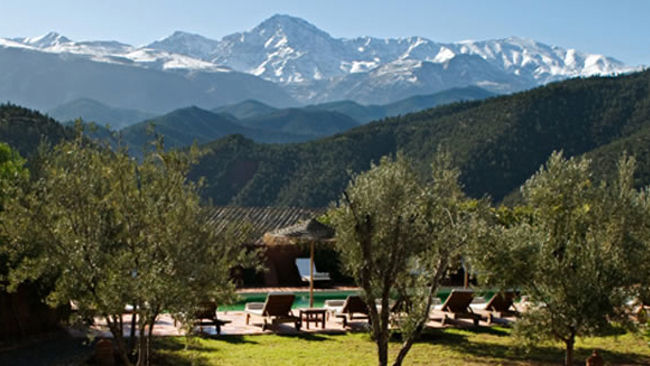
(617, 28)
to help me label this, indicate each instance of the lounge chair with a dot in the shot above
(457, 306)
(501, 305)
(276, 308)
(346, 309)
(206, 315)
(303, 265)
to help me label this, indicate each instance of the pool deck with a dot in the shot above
(165, 326)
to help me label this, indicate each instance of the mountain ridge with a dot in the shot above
(295, 53)
(313, 67)
(497, 143)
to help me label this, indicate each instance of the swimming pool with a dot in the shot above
(301, 301)
(302, 298)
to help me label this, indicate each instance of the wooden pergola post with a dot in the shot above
(311, 274)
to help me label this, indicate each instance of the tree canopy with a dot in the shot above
(399, 235)
(113, 232)
(575, 252)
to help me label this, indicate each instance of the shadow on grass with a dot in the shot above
(169, 359)
(188, 351)
(438, 335)
(459, 341)
(179, 343)
(305, 336)
(232, 339)
(169, 343)
(495, 331)
(613, 331)
(508, 353)
(48, 349)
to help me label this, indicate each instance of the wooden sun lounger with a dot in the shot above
(276, 308)
(206, 315)
(347, 309)
(501, 305)
(457, 307)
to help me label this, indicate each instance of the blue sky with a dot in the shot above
(617, 28)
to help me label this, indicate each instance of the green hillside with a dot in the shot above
(359, 112)
(498, 143)
(310, 123)
(101, 114)
(184, 126)
(23, 129)
(246, 109)
(420, 102)
(367, 113)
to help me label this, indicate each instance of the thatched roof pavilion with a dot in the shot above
(310, 231)
(269, 222)
(261, 220)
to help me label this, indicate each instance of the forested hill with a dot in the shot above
(23, 129)
(498, 143)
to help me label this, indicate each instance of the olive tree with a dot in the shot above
(13, 175)
(398, 236)
(114, 232)
(570, 252)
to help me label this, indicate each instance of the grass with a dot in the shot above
(480, 346)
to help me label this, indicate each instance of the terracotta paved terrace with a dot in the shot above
(165, 326)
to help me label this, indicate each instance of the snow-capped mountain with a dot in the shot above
(47, 71)
(189, 44)
(312, 66)
(120, 53)
(316, 67)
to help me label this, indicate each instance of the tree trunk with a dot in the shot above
(117, 330)
(382, 349)
(152, 322)
(408, 342)
(568, 357)
(406, 346)
(134, 323)
(142, 356)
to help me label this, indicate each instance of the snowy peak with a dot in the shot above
(538, 61)
(314, 67)
(298, 55)
(120, 53)
(282, 49)
(189, 44)
(288, 25)
(47, 40)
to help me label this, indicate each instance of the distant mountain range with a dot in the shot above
(251, 118)
(315, 67)
(284, 62)
(101, 114)
(497, 142)
(185, 126)
(45, 77)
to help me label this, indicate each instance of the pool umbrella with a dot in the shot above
(311, 231)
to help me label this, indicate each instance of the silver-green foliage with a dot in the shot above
(111, 231)
(574, 254)
(399, 236)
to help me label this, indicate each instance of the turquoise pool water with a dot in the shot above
(301, 301)
(302, 298)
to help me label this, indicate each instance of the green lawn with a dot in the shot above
(481, 346)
